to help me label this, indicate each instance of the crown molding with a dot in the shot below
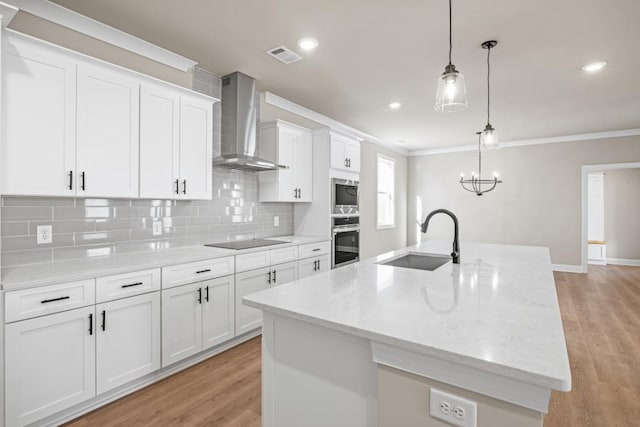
(536, 141)
(83, 24)
(334, 125)
(7, 13)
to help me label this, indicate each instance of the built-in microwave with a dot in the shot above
(344, 196)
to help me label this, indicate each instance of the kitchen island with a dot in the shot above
(365, 344)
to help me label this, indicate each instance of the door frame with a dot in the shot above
(586, 169)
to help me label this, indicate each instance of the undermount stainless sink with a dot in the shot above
(418, 261)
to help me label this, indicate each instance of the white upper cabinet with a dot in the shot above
(289, 145)
(38, 122)
(159, 142)
(75, 126)
(108, 136)
(345, 153)
(196, 148)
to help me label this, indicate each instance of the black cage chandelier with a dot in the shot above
(487, 140)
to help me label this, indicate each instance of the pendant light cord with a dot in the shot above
(488, 86)
(450, 38)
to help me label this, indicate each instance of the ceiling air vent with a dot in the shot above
(285, 55)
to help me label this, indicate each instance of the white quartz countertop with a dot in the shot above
(32, 275)
(496, 311)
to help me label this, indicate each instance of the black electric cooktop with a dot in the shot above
(246, 244)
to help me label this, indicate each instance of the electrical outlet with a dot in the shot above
(157, 228)
(453, 409)
(276, 221)
(44, 234)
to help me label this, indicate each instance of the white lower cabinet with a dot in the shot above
(127, 340)
(195, 317)
(248, 282)
(217, 311)
(49, 364)
(248, 318)
(310, 266)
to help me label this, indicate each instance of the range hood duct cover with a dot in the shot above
(239, 143)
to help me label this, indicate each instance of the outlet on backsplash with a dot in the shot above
(276, 221)
(44, 234)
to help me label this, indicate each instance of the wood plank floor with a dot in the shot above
(601, 316)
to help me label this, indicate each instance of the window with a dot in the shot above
(386, 192)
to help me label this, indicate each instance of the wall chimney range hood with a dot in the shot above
(239, 143)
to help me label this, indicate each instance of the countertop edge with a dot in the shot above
(559, 384)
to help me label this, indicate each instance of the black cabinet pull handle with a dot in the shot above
(82, 180)
(269, 278)
(44, 301)
(71, 180)
(177, 186)
(274, 276)
(104, 320)
(346, 163)
(318, 265)
(206, 295)
(315, 265)
(184, 186)
(132, 284)
(295, 193)
(91, 324)
(316, 249)
(199, 295)
(203, 271)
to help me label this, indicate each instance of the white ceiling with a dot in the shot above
(375, 52)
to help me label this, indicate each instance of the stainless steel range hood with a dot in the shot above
(239, 144)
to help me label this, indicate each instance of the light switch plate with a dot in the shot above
(276, 221)
(157, 228)
(453, 409)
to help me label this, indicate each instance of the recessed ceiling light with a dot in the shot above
(594, 66)
(308, 43)
(395, 105)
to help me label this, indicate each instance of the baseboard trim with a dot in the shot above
(622, 261)
(597, 262)
(135, 385)
(566, 268)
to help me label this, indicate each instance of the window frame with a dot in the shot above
(391, 160)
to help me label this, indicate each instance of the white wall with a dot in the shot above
(622, 213)
(539, 202)
(373, 241)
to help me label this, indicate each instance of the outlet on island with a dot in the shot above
(452, 409)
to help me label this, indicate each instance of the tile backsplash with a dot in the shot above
(97, 227)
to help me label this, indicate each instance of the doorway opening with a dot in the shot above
(596, 227)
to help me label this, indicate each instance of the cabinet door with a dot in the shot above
(217, 311)
(352, 154)
(181, 323)
(127, 340)
(248, 318)
(108, 138)
(196, 148)
(284, 273)
(310, 266)
(338, 158)
(286, 156)
(159, 142)
(38, 123)
(304, 167)
(49, 364)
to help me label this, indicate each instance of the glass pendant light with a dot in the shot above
(451, 94)
(489, 138)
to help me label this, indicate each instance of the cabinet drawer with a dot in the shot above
(182, 274)
(314, 249)
(43, 300)
(125, 285)
(253, 260)
(281, 255)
